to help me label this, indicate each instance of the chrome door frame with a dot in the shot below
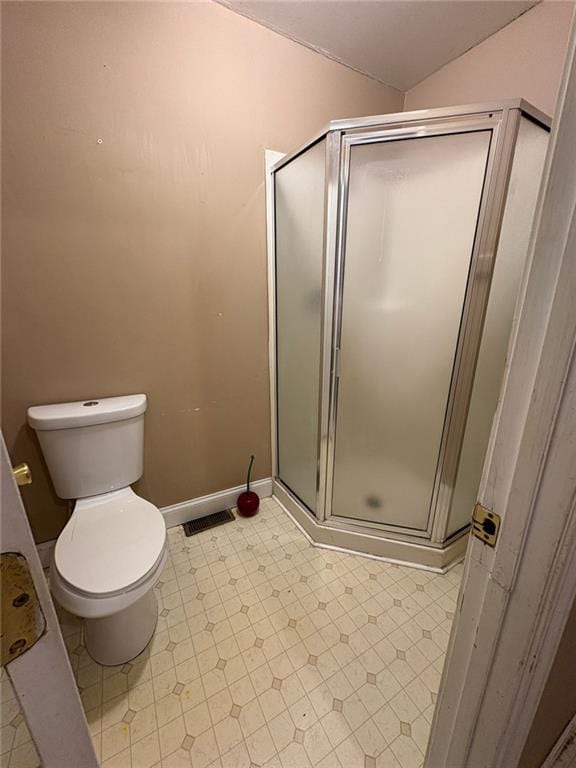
(481, 261)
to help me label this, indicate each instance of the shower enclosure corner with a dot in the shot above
(397, 248)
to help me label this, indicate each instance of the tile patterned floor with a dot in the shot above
(271, 652)
(16, 747)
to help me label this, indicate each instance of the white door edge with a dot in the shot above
(563, 753)
(515, 599)
(42, 677)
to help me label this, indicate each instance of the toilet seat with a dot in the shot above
(100, 606)
(112, 543)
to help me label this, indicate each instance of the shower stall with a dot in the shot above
(397, 248)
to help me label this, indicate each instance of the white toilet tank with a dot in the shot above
(93, 446)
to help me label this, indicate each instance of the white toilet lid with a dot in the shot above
(110, 542)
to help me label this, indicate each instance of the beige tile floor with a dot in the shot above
(16, 747)
(271, 652)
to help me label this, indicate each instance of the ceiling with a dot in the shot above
(398, 42)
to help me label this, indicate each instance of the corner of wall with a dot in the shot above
(523, 59)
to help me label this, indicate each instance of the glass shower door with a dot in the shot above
(412, 210)
(299, 226)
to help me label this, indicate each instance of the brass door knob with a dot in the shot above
(22, 474)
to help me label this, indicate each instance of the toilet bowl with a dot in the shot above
(106, 562)
(113, 549)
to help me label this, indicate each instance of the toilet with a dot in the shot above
(113, 549)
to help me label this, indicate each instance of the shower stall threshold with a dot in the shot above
(438, 558)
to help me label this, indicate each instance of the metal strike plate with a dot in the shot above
(485, 525)
(23, 621)
(22, 474)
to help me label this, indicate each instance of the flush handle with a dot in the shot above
(22, 474)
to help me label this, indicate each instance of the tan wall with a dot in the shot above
(523, 59)
(138, 264)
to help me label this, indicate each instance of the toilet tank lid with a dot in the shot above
(85, 413)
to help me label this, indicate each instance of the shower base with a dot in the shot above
(329, 534)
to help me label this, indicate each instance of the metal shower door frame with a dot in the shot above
(503, 127)
(503, 119)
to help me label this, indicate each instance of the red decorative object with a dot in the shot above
(248, 501)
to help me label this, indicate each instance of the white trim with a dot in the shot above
(518, 596)
(563, 753)
(271, 157)
(213, 502)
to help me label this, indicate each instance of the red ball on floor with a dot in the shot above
(248, 503)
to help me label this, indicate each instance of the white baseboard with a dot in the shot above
(185, 510)
(214, 502)
(563, 753)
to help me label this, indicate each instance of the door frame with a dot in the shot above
(515, 599)
(42, 677)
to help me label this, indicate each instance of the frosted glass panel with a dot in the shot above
(299, 190)
(412, 212)
(525, 180)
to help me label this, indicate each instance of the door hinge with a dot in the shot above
(485, 525)
(23, 621)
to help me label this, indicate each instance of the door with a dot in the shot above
(410, 225)
(516, 597)
(41, 677)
